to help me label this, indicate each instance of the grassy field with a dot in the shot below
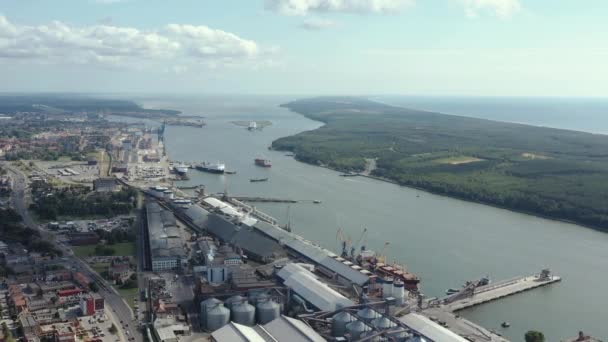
(100, 267)
(555, 173)
(120, 249)
(128, 295)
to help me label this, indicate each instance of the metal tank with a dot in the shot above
(387, 288)
(367, 335)
(267, 311)
(234, 300)
(255, 298)
(339, 322)
(243, 313)
(367, 314)
(205, 306)
(382, 323)
(399, 292)
(355, 329)
(400, 336)
(217, 317)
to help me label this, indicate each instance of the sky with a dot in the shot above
(321, 47)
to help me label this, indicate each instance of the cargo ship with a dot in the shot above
(410, 280)
(212, 167)
(181, 169)
(263, 162)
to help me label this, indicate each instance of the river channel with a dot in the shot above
(445, 241)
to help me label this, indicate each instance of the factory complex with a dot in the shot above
(254, 280)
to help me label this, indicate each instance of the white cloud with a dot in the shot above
(303, 7)
(110, 45)
(500, 8)
(315, 24)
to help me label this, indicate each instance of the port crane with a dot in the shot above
(343, 241)
(354, 246)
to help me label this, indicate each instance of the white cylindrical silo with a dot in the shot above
(399, 292)
(387, 288)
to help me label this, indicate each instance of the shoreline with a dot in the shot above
(387, 180)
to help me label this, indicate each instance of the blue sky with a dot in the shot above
(413, 47)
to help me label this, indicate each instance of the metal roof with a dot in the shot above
(163, 234)
(234, 232)
(313, 252)
(290, 329)
(430, 329)
(306, 284)
(234, 332)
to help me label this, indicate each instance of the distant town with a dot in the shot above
(100, 243)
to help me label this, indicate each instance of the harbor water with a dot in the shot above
(445, 241)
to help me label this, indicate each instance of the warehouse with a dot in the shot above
(165, 241)
(281, 329)
(306, 285)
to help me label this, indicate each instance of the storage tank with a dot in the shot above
(234, 300)
(339, 322)
(217, 317)
(367, 314)
(256, 297)
(205, 306)
(399, 292)
(355, 329)
(367, 335)
(267, 311)
(400, 336)
(243, 313)
(382, 323)
(387, 288)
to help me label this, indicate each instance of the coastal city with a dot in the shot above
(101, 242)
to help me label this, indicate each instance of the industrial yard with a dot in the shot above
(247, 276)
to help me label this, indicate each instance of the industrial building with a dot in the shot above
(281, 329)
(308, 287)
(164, 239)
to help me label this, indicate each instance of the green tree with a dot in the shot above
(534, 336)
(94, 287)
(113, 330)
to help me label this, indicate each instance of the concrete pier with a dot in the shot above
(488, 293)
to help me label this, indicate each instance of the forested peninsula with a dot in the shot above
(554, 173)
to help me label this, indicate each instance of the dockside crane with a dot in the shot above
(382, 255)
(344, 242)
(354, 246)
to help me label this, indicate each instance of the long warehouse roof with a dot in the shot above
(430, 329)
(305, 284)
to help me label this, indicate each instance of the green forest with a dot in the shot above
(550, 172)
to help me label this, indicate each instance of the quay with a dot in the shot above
(478, 295)
(263, 199)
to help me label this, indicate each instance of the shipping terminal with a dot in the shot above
(254, 280)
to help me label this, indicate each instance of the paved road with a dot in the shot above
(112, 299)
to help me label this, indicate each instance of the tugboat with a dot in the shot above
(505, 324)
(212, 167)
(263, 162)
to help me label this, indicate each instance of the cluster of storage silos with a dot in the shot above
(215, 314)
(367, 323)
(394, 288)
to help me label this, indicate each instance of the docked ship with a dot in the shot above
(181, 169)
(212, 167)
(410, 280)
(263, 162)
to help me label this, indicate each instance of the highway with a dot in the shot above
(113, 301)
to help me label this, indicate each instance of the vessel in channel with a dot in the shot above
(212, 167)
(263, 162)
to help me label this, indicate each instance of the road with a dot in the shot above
(112, 299)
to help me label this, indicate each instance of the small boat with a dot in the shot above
(316, 202)
(230, 172)
(289, 154)
(348, 175)
(450, 292)
(252, 126)
(505, 324)
(258, 179)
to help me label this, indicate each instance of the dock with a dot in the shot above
(264, 199)
(491, 292)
